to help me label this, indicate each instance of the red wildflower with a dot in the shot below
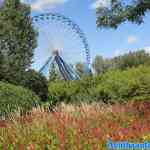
(3, 124)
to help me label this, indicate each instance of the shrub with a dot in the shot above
(36, 82)
(71, 91)
(125, 85)
(122, 62)
(114, 85)
(14, 97)
(56, 92)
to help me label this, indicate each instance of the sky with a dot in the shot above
(105, 42)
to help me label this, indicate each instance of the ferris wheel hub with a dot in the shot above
(55, 52)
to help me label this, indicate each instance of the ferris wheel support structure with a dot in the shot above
(65, 69)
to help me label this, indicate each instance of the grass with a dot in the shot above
(70, 127)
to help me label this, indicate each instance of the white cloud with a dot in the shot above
(132, 39)
(100, 3)
(38, 5)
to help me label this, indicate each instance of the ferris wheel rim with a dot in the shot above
(75, 27)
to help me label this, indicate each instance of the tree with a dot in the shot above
(118, 12)
(54, 74)
(80, 69)
(131, 59)
(17, 40)
(100, 64)
(128, 60)
(36, 82)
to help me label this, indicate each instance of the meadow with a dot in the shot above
(76, 127)
(77, 115)
(109, 99)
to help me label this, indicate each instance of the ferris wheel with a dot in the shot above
(60, 41)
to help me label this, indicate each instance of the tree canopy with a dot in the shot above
(54, 74)
(100, 65)
(122, 62)
(36, 82)
(17, 39)
(119, 11)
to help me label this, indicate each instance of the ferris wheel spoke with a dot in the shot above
(46, 64)
(57, 32)
(62, 69)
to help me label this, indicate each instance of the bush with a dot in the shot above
(71, 91)
(125, 85)
(64, 91)
(13, 97)
(112, 86)
(36, 82)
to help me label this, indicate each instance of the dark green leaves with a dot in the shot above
(111, 17)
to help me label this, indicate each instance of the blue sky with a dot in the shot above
(105, 42)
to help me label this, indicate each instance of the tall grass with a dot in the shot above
(70, 127)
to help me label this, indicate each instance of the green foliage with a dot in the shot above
(70, 91)
(36, 82)
(123, 62)
(17, 40)
(131, 59)
(101, 65)
(80, 69)
(112, 86)
(125, 85)
(118, 12)
(14, 97)
(54, 73)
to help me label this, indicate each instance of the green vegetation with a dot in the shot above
(54, 74)
(131, 84)
(17, 41)
(72, 127)
(120, 11)
(101, 65)
(122, 62)
(14, 97)
(70, 91)
(112, 86)
(80, 69)
(118, 79)
(121, 80)
(36, 82)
